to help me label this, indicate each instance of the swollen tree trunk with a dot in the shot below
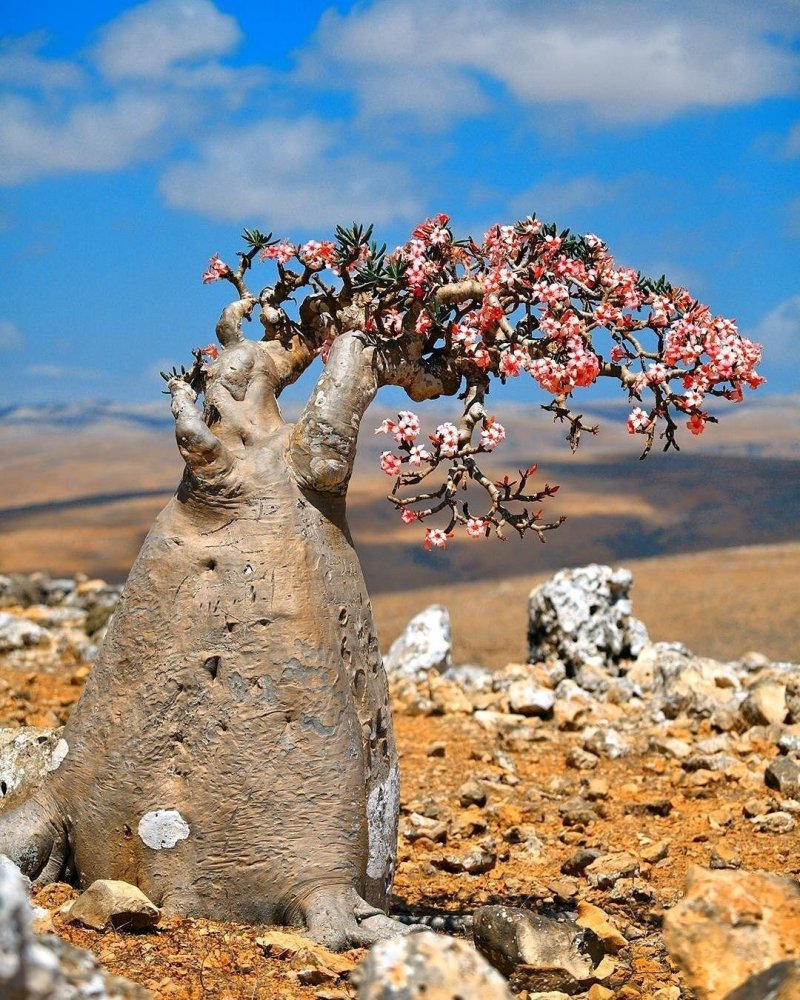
(232, 753)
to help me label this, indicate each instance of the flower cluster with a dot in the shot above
(216, 269)
(525, 301)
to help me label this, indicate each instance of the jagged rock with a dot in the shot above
(765, 705)
(45, 967)
(447, 696)
(472, 793)
(528, 698)
(774, 822)
(780, 982)
(471, 863)
(424, 645)
(470, 678)
(26, 755)
(783, 774)
(111, 903)
(606, 870)
(426, 964)
(537, 953)
(603, 741)
(598, 922)
(731, 926)
(313, 964)
(17, 633)
(685, 683)
(584, 617)
(581, 760)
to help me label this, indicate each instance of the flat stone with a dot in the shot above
(112, 903)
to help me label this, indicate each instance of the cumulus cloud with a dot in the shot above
(148, 41)
(161, 61)
(287, 173)
(22, 66)
(10, 337)
(91, 137)
(618, 61)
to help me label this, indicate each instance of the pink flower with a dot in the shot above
(390, 464)
(492, 434)
(638, 421)
(317, 254)
(408, 516)
(481, 358)
(387, 427)
(618, 353)
(697, 423)
(436, 538)
(446, 437)
(423, 324)
(513, 362)
(477, 527)
(408, 426)
(216, 269)
(282, 252)
(418, 455)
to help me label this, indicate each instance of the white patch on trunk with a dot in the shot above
(163, 828)
(383, 806)
(60, 751)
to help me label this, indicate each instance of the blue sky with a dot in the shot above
(137, 139)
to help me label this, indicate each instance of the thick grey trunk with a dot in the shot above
(232, 753)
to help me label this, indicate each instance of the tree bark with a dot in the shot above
(232, 753)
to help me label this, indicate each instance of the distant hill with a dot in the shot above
(82, 490)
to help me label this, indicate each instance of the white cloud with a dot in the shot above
(22, 66)
(281, 174)
(10, 337)
(617, 61)
(779, 332)
(149, 40)
(61, 371)
(166, 81)
(92, 136)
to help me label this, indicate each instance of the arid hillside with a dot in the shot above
(82, 485)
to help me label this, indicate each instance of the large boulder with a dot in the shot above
(732, 926)
(427, 966)
(47, 968)
(424, 645)
(584, 617)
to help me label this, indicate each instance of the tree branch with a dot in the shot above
(205, 455)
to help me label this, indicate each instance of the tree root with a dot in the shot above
(33, 836)
(338, 918)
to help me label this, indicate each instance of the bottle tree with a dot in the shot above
(232, 752)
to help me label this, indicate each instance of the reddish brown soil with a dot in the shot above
(199, 959)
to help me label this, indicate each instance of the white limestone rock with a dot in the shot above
(424, 645)
(584, 617)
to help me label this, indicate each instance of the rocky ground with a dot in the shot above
(577, 791)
